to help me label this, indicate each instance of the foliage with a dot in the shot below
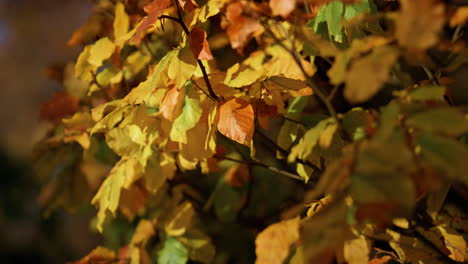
(279, 131)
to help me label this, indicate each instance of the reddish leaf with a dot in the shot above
(236, 120)
(154, 10)
(240, 29)
(237, 176)
(188, 5)
(282, 7)
(199, 44)
(381, 260)
(59, 106)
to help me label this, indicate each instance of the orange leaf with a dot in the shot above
(154, 10)
(381, 260)
(236, 120)
(199, 44)
(171, 105)
(59, 106)
(272, 244)
(240, 29)
(282, 7)
(98, 255)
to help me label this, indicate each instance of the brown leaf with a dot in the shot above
(188, 5)
(282, 7)
(199, 44)
(154, 10)
(418, 23)
(133, 201)
(59, 106)
(236, 120)
(240, 29)
(237, 176)
(272, 244)
(368, 74)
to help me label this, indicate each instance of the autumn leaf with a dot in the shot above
(418, 23)
(240, 29)
(282, 7)
(182, 66)
(121, 21)
(99, 254)
(171, 105)
(191, 114)
(199, 44)
(368, 74)
(460, 17)
(272, 244)
(236, 120)
(59, 106)
(188, 5)
(101, 51)
(154, 10)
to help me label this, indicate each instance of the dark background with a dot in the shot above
(33, 34)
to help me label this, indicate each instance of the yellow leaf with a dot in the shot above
(356, 251)
(83, 69)
(272, 244)
(101, 51)
(181, 220)
(368, 74)
(460, 17)
(182, 66)
(121, 22)
(144, 231)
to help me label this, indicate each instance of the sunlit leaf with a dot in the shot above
(236, 120)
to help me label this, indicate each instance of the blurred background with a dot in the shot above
(33, 35)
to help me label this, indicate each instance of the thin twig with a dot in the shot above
(201, 89)
(200, 63)
(286, 153)
(309, 80)
(271, 168)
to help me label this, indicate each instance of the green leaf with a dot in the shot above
(307, 143)
(189, 117)
(445, 154)
(182, 66)
(430, 92)
(447, 120)
(334, 15)
(173, 252)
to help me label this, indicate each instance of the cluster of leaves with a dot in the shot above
(280, 131)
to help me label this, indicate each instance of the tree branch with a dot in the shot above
(263, 165)
(200, 63)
